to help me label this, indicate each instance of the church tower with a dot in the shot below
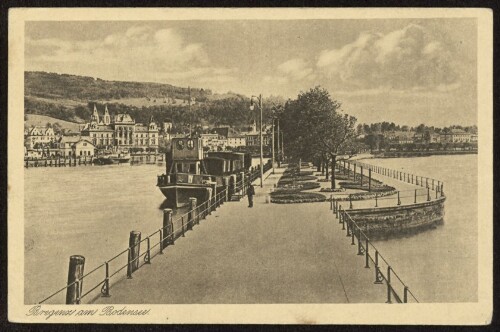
(107, 118)
(95, 116)
(254, 126)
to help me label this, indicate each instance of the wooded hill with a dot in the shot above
(84, 88)
(72, 98)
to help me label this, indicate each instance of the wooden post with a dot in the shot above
(134, 252)
(191, 213)
(168, 228)
(75, 274)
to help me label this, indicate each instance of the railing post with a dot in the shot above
(389, 284)
(428, 194)
(412, 179)
(75, 274)
(134, 244)
(378, 279)
(399, 200)
(415, 201)
(360, 250)
(349, 226)
(370, 180)
(331, 202)
(352, 232)
(432, 184)
(405, 295)
(105, 286)
(350, 201)
(191, 213)
(341, 218)
(129, 264)
(168, 228)
(161, 241)
(182, 225)
(367, 256)
(441, 190)
(147, 258)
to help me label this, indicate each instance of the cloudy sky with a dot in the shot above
(401, 70)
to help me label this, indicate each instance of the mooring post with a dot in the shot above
(75, 282)
(134, 244)
(370, 180)
(191, 213)
(168, 228)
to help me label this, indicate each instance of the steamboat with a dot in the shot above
(190, 172)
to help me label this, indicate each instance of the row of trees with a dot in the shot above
(382, 127)
(316, 128)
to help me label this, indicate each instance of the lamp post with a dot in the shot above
(259, 99)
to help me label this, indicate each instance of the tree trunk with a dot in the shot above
(326, 167)
(322, 165)
(334, 157)
(318, 165)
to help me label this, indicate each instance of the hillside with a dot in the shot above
(72, 98)
(42, 120)
(84, 88)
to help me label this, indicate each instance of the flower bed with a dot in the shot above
(290, 173)
(365, 195)
(324, 180)
(296, 197)
(300, 186)
(377, 187)
(330, 190)
(290, 179)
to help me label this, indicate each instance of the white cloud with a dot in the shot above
(139, 53)
(402, 59)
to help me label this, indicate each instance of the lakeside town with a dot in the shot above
(107, 133)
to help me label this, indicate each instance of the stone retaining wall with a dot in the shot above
(394, 221)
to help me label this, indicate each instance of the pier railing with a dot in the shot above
(357, 167)
(396, 198)
(141, 251)
(397, 290)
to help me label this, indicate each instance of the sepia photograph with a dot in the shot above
(250, 165)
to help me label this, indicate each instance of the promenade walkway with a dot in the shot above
(271, 253)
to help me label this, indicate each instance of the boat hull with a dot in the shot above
(178, 195)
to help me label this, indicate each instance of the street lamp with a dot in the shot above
(259, 99)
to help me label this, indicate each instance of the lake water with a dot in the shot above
(440, 265)
(90, 211)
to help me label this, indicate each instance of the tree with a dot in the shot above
(315, 126)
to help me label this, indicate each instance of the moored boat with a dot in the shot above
(191, 173)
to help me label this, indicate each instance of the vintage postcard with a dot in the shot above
(286, 166)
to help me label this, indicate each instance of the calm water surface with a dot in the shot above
(90, 211)
(440, 265)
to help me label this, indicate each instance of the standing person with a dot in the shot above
(250, 193)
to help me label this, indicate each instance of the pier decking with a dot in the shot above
(271, 253)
